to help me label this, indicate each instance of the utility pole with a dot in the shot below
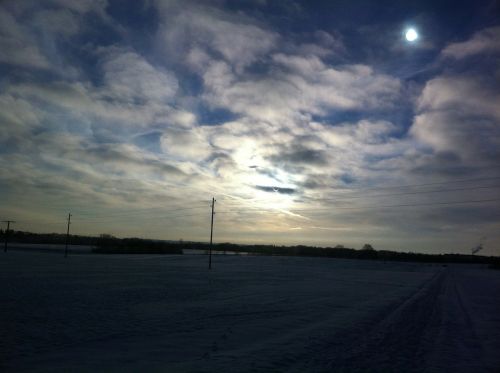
(7, 233)
(67, 237)
(211, 234)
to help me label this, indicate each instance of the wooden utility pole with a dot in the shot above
(7, 233)
(67, 237)
(211, 234)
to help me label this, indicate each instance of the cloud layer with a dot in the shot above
(290, 131)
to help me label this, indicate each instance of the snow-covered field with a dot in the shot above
(169, 313)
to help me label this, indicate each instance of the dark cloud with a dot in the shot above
(219, 156)
(149, 141)
(129, 156)
(313, 183)
(221, 161)
(275, 189)
(465, 215)
(300, 155)
(442, 163)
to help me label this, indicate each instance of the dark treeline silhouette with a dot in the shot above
(46, 238)
(109, 244)
(368, 252)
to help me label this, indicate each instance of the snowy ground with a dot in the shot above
(169, 313)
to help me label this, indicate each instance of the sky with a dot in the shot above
(310, 122)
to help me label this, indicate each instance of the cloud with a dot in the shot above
(457, 119)
(193, 32)
(125, 156)
(273, 189)
(274, 131)
(188, 144)
(129, 77)
(18, 45)
(459, 115)
(486, 41)
(31, 33)
(130, 120)
(299, 86)
(298, 154)
(18, 117)
(132, 95)
(83, 6)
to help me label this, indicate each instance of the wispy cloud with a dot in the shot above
(483, 41)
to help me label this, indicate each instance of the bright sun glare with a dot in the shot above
(411, 34)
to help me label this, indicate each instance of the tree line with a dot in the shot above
(109, 244)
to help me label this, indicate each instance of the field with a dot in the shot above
(249, 313)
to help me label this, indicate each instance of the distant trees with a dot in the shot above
(107, 243)
(46, 238)
(367, 252)
(105, 236)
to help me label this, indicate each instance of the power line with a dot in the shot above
(156, 211)
(429, 184)
(57, 205)
(99, 219)
(293, 210)
(402, 205)
(82, 212)
(407, 193)
(383, 195)
(104, 219)
(378, 188)
(39, 221)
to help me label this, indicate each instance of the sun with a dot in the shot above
(411, 34)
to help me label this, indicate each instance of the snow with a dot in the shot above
(250, 313)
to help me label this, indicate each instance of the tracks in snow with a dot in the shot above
(431, 331)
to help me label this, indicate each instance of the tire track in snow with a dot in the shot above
(392, 341)
(455, 346)
(431, 331)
